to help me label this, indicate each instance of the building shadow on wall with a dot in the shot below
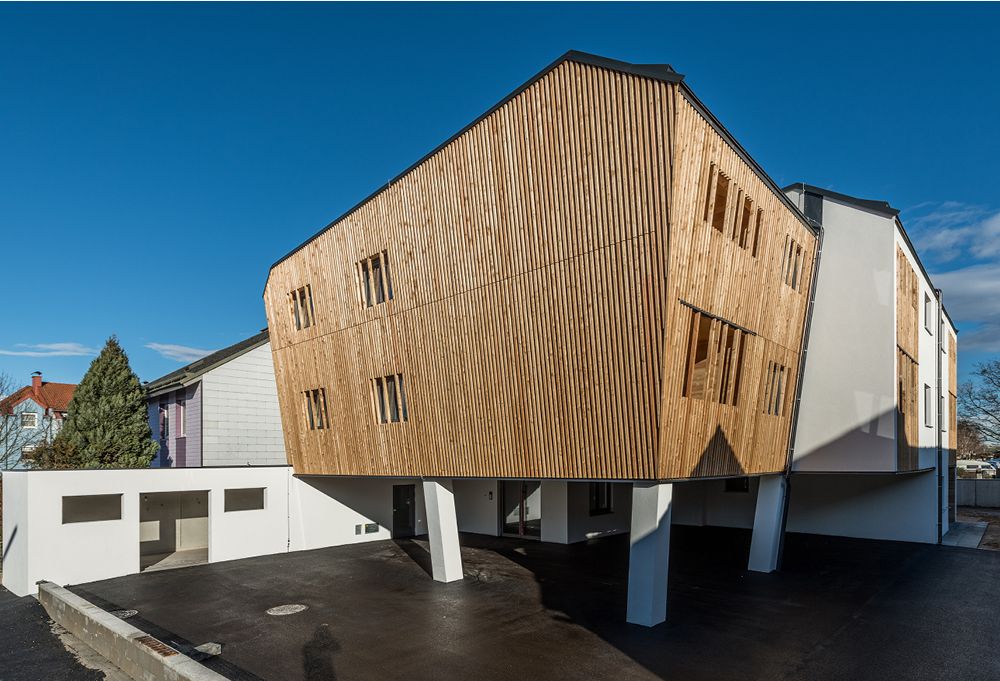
(718, 458)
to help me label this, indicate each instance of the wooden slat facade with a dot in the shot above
(907, 365)
(538, 263)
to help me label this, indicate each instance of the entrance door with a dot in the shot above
(404, 508)
(521, 506)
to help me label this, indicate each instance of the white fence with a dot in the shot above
(71, 527)
(982, 493)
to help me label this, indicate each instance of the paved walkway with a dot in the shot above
(840, 609)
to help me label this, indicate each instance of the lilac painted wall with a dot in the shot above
(177, 450)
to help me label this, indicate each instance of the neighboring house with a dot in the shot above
(877, 431)
(30, 416)
(589, 297)
(219, 411)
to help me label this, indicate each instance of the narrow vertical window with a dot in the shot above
(374, 280)
(181, 418)
(795, 271)
(738, 375)
(756, 231)
(928, 314)
(746, 218)
(708, 193)
(164, 420)
(389, 397)
(737, 215)
(928, 406)
(302, 310)
(721, 199)
(316, 415)
(698, 341)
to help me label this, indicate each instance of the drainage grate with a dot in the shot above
(124, 614)
(158, 647)
(290, 609)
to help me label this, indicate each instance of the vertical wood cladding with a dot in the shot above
(709, 269)
(532, 313)
(907, 371)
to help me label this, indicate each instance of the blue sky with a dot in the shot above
(156, 159)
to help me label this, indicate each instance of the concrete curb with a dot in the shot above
(135, 652)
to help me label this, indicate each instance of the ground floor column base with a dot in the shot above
(649, 553)
(442, 530)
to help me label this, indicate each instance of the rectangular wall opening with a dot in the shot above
(244, 499)
(90, 508)
(173, 529)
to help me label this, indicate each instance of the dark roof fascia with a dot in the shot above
(185, 375)
(881, 208)
(745, 155)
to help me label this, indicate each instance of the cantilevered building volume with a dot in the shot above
(592, 283)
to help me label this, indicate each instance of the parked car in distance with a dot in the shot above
(975, 469)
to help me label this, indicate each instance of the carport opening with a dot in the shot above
(173, 529)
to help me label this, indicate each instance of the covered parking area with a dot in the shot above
(840, 608)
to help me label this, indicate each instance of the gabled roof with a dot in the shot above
(880, 207)
(54, 396)
(661, 72)
(186, 375)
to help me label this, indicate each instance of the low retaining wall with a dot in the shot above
(979, 493)
(135, 652)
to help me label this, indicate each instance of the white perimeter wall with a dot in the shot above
(846, 418)
(241, 423)
(297, 514)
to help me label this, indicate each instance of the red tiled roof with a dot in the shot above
(54, 396)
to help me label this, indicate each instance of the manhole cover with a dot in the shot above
(124, 614)
(291, 609)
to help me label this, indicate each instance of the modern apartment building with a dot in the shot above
(221, 410)
(588, 295)
(876, 436)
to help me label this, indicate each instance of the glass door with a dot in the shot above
(521, 508)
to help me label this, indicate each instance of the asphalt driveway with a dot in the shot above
(840, 609)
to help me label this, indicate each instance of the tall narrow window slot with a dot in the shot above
(708, 192)
(756, 231)
(389, 397)
(374, 280)
(302, 310)
(316, 415)
(746, 218)
(721, 201)
(698, 342)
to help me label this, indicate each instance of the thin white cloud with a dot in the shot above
(951, 230)
(181, 353)
(50, 350)
(972, 296)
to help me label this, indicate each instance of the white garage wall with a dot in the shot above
(297, 514)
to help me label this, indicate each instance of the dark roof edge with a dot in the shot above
(884, 209)
(880, 207)
(181, 377)
(662, 72)
(745, 155)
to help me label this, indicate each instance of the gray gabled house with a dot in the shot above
(221, 410)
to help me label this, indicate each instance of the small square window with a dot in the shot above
(374, 280)
(29, 419)
(601, 498)
(389, 398)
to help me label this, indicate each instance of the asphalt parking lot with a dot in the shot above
(840, 609)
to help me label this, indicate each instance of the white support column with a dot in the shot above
(649, 553)
(767, 524)
(442, 530)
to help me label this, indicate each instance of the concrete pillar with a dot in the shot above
(649, 553)
(442, 530)
(768, 524)
(555, 511)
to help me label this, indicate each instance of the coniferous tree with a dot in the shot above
(108, 425)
